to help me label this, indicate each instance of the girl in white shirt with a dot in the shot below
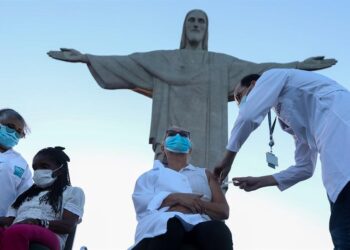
(49, 210)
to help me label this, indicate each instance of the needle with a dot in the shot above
(228, 182)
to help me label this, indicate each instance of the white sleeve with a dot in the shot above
(74, 201)
(305, 162)
(7, 194)
(26, 182)
(259, 101)
(11, 212)
(144, 196)
(11, 178)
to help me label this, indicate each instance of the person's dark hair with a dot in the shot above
(244, 84)
(247, 80)
(54, 195)
(6, 113)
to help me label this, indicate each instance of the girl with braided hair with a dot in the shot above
(49, 210)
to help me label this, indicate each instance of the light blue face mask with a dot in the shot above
(244, 99)
(178, 144)
(8, 137)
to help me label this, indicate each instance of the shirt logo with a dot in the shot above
(18, 171)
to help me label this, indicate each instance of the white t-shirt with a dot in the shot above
(73, 201)
(15, 178)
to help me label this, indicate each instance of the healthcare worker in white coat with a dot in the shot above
(315, 110)
(15, 175)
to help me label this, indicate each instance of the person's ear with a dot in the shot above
(253, 83)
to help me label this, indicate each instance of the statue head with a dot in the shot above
(195, 30)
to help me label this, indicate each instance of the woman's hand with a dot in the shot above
(180, 208)
(6, 221)
(191, 201)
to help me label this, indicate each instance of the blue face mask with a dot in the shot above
(8, 137)
(244, 99)
(178, 144)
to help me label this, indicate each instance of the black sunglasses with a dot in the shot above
(182, 133)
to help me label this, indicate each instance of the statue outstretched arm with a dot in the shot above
(311, 63)
(246, 68)
(68, 55)
(316, 63)
(111, 72)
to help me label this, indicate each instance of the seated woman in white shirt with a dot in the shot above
(49, 210)
(178, 203)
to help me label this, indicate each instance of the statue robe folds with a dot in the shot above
(189, 88)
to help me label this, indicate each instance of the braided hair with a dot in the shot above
(55, 191)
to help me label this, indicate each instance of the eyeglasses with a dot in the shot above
(10, 128)
(182, 133)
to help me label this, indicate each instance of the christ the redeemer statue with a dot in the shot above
(190, 86)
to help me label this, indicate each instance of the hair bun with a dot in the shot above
(59, 148)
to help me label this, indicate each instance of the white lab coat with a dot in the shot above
(150, 190)
(316, 111)
(15, 178)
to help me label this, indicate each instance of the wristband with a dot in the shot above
(45, 223)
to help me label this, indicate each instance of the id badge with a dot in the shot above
(272, 160)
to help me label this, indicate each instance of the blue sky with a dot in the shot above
(106, 132)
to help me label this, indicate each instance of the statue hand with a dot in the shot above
(68, 55)
(316, 62)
